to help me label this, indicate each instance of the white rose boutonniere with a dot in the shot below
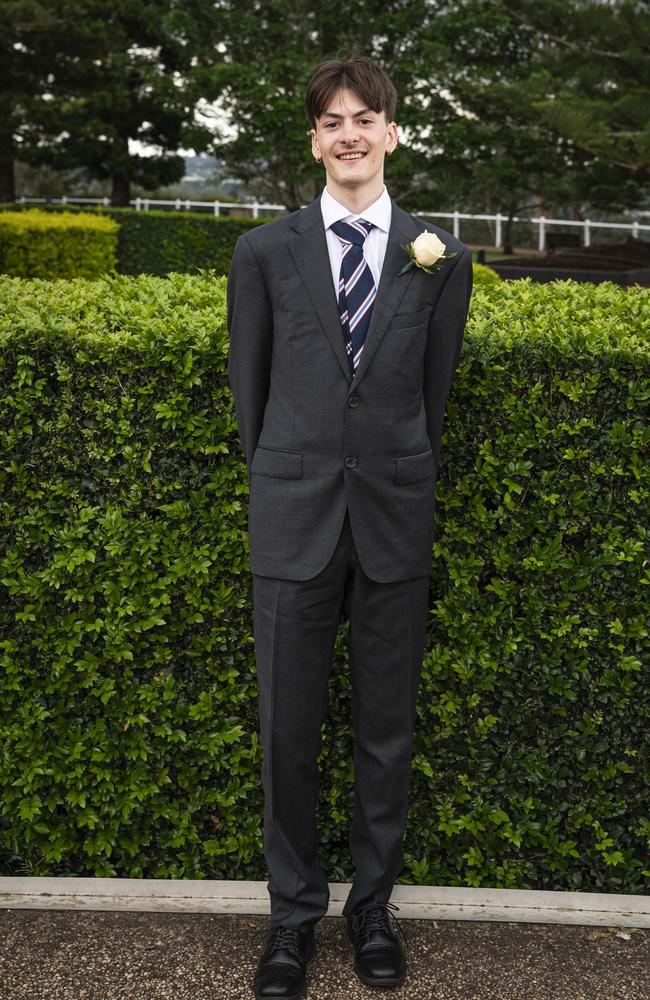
(426, 252)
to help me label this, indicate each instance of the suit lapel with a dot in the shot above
(311, 257)
(392, 285)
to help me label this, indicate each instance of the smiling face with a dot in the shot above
(352, 141)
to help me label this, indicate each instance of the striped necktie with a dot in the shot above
(356, 286)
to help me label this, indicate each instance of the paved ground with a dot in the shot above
(91, 955)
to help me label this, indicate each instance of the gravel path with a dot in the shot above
(99, 955)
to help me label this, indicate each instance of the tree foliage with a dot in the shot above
(503, 105)
(33, 36)
(103, 74)
(474, 130)
(271, 49)
(591, 82)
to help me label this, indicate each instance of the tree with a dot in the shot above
(591, 80)
(271, 48)
(33, 34)
(469, 135)
(121, 71)
(485, 149)
(501, 153)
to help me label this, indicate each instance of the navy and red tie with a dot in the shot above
(356, 286)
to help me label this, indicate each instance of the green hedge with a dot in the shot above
(157, 242)
(484, 274)
(37, 244)
(128, 730)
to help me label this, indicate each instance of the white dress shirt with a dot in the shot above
(374, 248)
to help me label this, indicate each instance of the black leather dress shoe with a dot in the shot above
(280, 971)
(378, 956)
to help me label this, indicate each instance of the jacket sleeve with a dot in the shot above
(445, 341)
(250, 326)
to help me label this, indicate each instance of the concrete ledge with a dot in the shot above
(415, 901)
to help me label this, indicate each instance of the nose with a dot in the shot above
(350, 131)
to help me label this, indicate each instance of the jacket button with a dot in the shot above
(350, 462)
(353, 401)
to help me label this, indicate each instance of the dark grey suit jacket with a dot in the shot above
(316, 440)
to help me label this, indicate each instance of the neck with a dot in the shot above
(356, 201)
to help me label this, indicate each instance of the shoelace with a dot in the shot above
(282, 937)
(375, 917)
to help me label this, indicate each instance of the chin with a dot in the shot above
(353, 177)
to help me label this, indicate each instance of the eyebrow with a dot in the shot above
(357, 114)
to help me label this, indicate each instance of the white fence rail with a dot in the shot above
(541, 221)
(260, 208)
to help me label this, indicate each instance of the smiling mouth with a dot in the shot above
(356, 155)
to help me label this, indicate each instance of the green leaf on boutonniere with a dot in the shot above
(407, 267)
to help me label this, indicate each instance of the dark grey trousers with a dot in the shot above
(295, 625)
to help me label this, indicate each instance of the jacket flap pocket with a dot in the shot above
(281, 464)
(406, 320)
(413, 468)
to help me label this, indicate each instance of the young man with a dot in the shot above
(340, 366)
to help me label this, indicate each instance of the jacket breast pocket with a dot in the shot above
(414, 468)
(404, 321)
(276, 463)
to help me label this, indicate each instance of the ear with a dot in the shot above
(391, 137)
(315, 148)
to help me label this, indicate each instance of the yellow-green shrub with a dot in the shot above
(484, 275)
(38, 244)
(159, 242)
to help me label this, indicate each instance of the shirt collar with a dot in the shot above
(379, 213)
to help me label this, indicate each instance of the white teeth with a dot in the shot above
(350, 156)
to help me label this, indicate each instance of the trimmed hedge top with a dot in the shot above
(36, 218)
(37, 244)
(575, 318)
(157, 242)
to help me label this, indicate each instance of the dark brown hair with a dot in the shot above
(357, 73)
